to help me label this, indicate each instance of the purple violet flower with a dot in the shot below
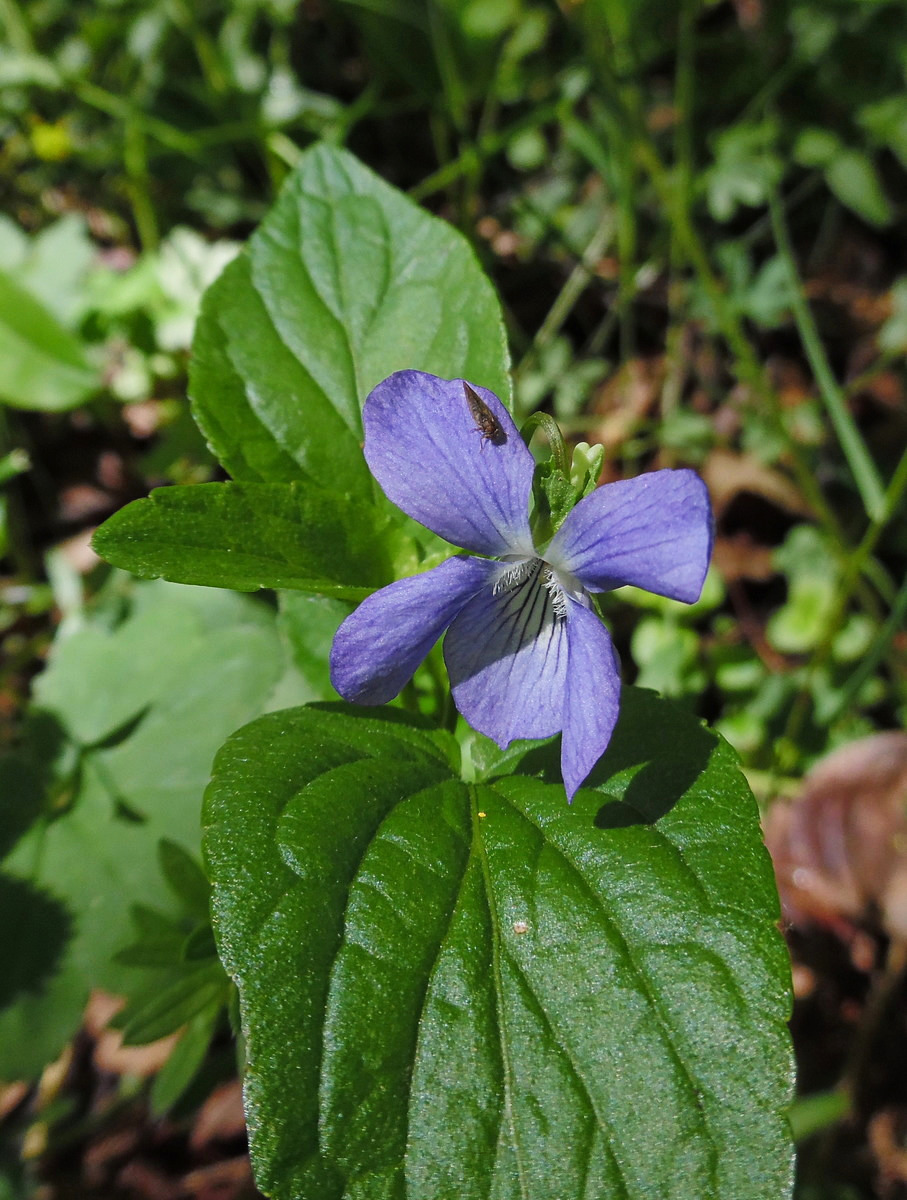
(526, 653)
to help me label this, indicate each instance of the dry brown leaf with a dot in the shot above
(111, 1055)
(101, 1155)
(142, 417)
(53, 1077)
(80, 501)
(78, 552)
(146, 1182)
(739, 557)
(885, 1133)
(11, 1096)
(625, 400)
(109, 1052)
(100, 1010)
(221, 1117)
(222, 1180)
(750, 14)
(840, 847)
(727, 474)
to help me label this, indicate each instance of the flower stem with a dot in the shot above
(577, 281)
(551, 430)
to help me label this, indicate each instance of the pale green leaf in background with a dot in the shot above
(159, 693)
(44, 365)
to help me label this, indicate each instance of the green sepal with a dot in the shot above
(556, 492)
(554, 498)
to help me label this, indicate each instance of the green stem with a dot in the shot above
(858, 382)
(445, 709)
(447, 713)
(747, 366)
(627, 247)
(115, 106)
(464, 163)
(452, 86)
(184, 17)
(409, 698)
(862, 467)
(284, 148)
(576, 283)
(17, 30)
(551, 430)
(18, 539)
(886, 635)
(812, 1114)
(191, 145)
(135, 160)
(684, 90)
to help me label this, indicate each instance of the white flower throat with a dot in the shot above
(519, 572)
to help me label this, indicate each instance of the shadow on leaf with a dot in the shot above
(657, 753)
(37, 929)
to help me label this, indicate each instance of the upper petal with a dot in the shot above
(506, 655)
(378, 647)
(592, 700)
(424, 447)
(654, 531)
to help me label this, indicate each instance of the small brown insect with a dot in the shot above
(486, 422)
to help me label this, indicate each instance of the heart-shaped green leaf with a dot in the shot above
(248, 536)
(345, 282)
(476, 990)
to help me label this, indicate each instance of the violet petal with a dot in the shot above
(654, 531)
(592, 700)
(423, 446)
(506, 655)
(379, 646)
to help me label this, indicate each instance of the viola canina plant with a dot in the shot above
(526, 652)
(454, 985)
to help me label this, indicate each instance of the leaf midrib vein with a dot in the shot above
(481, 854)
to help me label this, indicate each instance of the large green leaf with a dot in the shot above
(248, 536)
(476, 990)
(44, 365)
(123, 732)
(345, 281)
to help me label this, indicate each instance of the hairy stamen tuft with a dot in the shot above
(552, 585)
(516, 573)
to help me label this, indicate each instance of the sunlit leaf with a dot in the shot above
(479, 990)
(249, 536)
(344, 282)
(44, 365)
